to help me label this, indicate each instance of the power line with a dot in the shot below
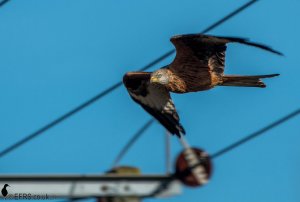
(255, 134)
(132, 140)
(113, 87)
(56, 121)
(2, 3)
(230, 15)
(221, 151)
(244, 140)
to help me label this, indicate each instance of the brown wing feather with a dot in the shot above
(200, 59)
(154, 99)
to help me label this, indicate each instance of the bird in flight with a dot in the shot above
(199, 65)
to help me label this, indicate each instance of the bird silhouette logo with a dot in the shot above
(4, 191)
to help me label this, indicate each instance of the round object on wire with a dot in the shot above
(193, 167)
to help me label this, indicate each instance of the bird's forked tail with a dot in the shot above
(245, 81)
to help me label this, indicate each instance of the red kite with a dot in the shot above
(198, 65)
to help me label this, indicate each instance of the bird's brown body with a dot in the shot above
(199, 65)
(186, 83)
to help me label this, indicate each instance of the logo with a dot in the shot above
(4, 191)
(24, 196)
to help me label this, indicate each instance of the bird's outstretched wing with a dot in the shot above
(154, 99)
(203, 54)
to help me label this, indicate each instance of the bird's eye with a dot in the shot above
(159, 76)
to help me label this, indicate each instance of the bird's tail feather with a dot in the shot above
(245, 81)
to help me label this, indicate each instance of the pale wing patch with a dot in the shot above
(156, 98)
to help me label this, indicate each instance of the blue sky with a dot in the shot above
(57, 54)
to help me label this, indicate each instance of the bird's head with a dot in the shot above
(160, 77)
(6, 185)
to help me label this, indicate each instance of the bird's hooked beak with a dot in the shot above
(153, 79)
